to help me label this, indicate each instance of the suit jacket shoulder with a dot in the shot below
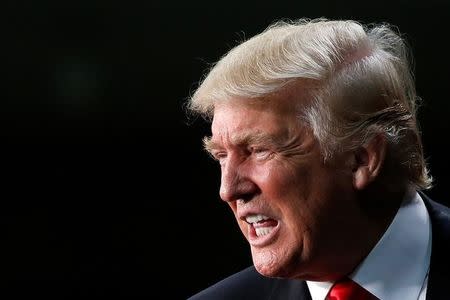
(249, 284)
(439, 274)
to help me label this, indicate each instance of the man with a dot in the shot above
(314, 128)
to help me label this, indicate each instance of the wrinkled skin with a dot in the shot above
(271, 164)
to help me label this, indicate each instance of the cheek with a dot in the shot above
(281, 180)
(288, 189)
(290, 186)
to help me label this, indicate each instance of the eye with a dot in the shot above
(260, 153)
(220, 156)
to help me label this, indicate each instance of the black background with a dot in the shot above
(105, 188)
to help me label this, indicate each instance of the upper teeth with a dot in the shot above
(255, 218)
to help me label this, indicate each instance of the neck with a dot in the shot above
(379, 207)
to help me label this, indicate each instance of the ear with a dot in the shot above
(368, 161)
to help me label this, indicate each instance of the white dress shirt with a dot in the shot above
(397, 267)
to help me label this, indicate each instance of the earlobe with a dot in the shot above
(360, 178)
(369, 160)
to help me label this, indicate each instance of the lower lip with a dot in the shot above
(262, 241)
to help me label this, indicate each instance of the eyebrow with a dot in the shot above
(240, 139)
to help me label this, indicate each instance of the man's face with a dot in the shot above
(296, 212)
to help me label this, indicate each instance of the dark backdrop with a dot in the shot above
(105, 188)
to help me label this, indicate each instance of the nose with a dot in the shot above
(236, 184)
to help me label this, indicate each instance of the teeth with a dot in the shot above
(256, 218)
(263, 230)
(260, 230)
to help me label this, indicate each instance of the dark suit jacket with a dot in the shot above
(250, 285)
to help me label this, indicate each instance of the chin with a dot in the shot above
(270, 271)
(270, 264)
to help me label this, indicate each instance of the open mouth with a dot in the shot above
(260, 226)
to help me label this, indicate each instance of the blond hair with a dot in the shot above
(363, 86)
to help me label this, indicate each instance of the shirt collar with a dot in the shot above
(400, 258)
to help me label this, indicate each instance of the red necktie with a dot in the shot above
(347, 289)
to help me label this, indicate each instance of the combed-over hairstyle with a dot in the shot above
(363, 86)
